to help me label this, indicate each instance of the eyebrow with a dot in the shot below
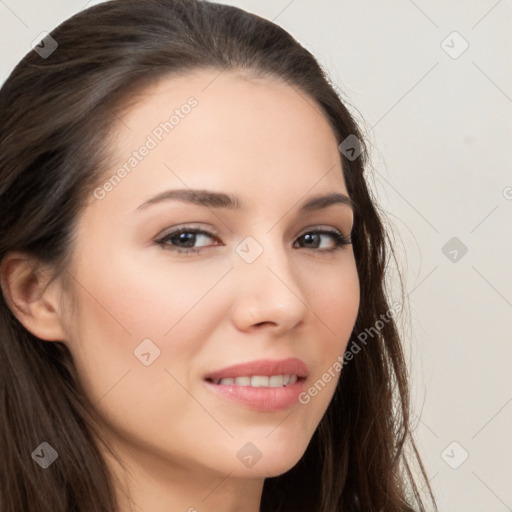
(212, 199)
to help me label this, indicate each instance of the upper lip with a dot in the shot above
(264, 367)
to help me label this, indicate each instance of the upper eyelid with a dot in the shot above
(213, 232)
(207, 231)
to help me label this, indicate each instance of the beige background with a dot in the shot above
(440, 130)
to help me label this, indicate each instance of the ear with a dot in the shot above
(31, 297)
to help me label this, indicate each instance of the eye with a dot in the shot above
(183, 240)
(313, 239)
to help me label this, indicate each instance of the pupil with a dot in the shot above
(187, 238)
(310, 238)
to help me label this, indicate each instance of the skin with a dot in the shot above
(262, 141)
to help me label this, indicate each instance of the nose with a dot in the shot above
(267, 290)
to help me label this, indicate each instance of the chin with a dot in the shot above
(276, 457)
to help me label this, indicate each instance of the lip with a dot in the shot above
(262, 399)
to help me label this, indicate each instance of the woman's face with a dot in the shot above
(263, 282)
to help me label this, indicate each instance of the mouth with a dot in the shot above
(263, 385)
(258, 381)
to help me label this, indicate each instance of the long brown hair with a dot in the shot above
(56, 113)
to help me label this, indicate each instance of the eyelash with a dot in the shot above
(339, 239)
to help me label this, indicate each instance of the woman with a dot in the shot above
(193, 308)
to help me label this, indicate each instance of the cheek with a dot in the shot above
(333, 297)
(334, 301)
(339, 305)
(122, 306)
(147, 299)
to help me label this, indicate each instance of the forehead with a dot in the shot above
(219, 130)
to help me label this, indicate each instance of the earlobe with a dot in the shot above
(34, 302)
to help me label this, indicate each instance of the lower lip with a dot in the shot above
(263, 399)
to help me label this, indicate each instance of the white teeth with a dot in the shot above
(276, 381)
(258, 381)
(227, 381)
(243, 381)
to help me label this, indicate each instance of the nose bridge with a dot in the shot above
(267, 288)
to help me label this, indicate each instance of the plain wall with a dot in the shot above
(440, 133)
